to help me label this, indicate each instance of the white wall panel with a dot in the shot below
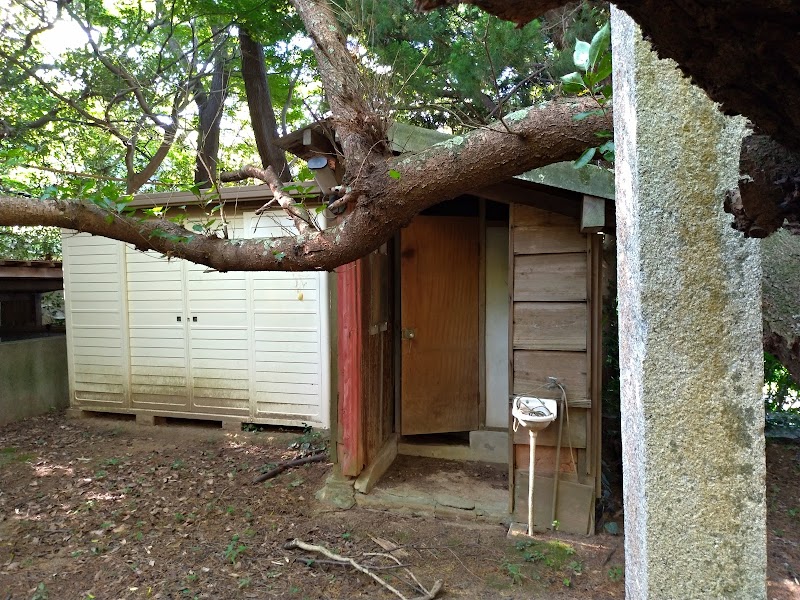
(94, 305)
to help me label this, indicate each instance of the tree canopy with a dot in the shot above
(156, 91)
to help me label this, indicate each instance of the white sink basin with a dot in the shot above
(534, 413)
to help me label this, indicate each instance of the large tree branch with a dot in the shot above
(539, 136)
(259, 103)
(137, 179)
(741, 54)
(361, 129)
(209, 107)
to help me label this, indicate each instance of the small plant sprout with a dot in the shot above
(40, 593)
(514, 571)
(615, 573)
(234, 549)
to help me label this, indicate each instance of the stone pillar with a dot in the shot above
(690, 339)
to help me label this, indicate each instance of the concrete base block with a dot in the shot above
(443, 451)
(75, 413)
(489, 446)
(448, 513)
(337, 492)
(145, 419)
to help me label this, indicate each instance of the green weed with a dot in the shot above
(514, 572)
(234, 549)
(40, 593)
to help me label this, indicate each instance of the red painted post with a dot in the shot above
(349, 285)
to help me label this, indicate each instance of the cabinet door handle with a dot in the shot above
(194, 319)
(178, 319)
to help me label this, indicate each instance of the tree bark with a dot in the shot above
(781, 299)
(535, 137)
(769, 193)
(360, 128)
(209, 106)
(259, 102)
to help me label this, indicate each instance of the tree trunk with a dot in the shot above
(259, 102)
(769, 193)
(210, 105)
(781, 300)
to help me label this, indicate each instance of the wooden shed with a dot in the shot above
(160, 338)
(22, 283)
(478, 299)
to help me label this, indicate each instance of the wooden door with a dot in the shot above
(439, 312)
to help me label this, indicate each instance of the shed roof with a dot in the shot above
(26, 276)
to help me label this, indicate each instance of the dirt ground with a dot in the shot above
(99, 509)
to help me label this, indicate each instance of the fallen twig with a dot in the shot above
(428, 594)
(318, 457)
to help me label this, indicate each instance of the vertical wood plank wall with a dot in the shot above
(366, 382)
(550, 329)
(378, 371)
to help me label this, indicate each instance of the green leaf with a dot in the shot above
(603, 68)
(599, 45)
(581, 55)
(603, 133)
(606, 147)
(394, 174)
(573, 83)
(607, 150)
(584, 158)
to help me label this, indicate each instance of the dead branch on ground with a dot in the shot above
(369, 571)
(281, 467)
